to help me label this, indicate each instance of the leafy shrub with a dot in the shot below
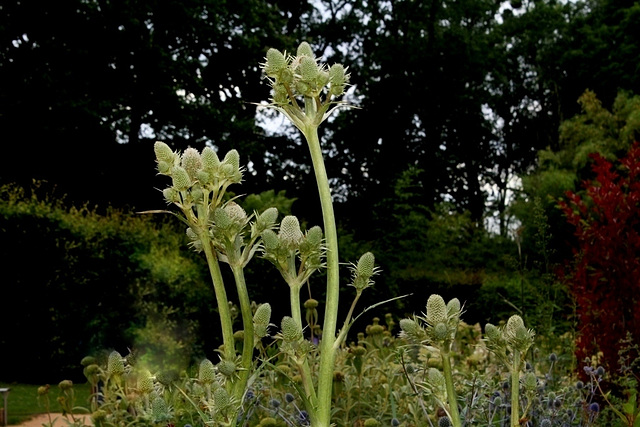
(605, 275)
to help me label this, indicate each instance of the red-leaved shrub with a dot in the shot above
(604, 276)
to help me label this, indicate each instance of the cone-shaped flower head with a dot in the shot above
(304, 49)
(145, 382)
(206, 372)
(210, 160)
(266, 219)
(191, 162)
(363, 271)
(412, 330)
(270, 240)
(164, 153)
(290, 235)
(337, 79)
(275, 64)
(436, 380)
(436, 310)
(221, 397)
(227, 367)
(159, 410)
(115, 364)
(261, 320)
(291, 332)
(180, 178)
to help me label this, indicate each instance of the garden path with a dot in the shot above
(58, 420)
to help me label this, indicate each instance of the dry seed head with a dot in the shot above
(191, 162)
(206, 372)
(290, 330)
(436, 310)
(115, 364)
(290, 234)
(181, 179)
(164, 153)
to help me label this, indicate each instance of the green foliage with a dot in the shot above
(92, 281)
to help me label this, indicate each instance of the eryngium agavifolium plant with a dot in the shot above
(268, 375)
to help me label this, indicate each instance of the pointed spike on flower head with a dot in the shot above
(206, 372)
(291, 332)
(436, 310)
(275, 64)
(304, 49)
(191, 162)
(290, 234)
(181, 179)
(115, 364)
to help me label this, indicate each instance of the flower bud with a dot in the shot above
(270, 240)
(276, 62)
(267, 219)
(366, 265)
(206, 372)
(232, 158)
(145, 382)
(181, 179)
(115, 364)
(308, 69)
(163, 152)
(492, 332)
(159, 409)
(304, 49)
(210, 160)
(235, 212)
(290, 330)
(453, 307)
(221, 397)
(226, 367)
(436, 379)
(221, 219)
(171, 195)
(337, 79)
(440, 332)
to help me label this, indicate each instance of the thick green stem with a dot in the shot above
(515, 390)
(296, 314)
(247, 324)
(327, 355)
(221, 297)
(451, 391)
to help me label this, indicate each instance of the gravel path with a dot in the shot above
(58, 420)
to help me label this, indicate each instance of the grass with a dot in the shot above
(23, 401)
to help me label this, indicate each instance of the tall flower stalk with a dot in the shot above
(305, 92)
